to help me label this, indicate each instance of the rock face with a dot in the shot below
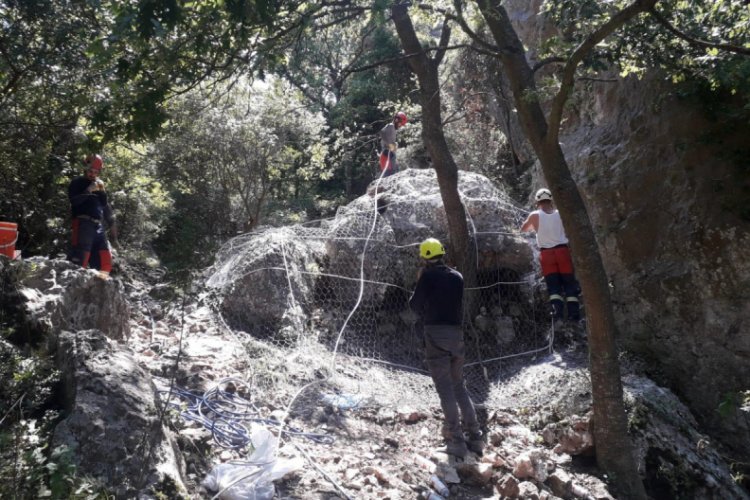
(674, 458)
(673, 255)
(112, 424)
(665, 198)
(273, 281)
(56, 294)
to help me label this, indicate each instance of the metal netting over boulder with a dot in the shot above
(343, 284)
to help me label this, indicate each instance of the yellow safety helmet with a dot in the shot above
(431, 248)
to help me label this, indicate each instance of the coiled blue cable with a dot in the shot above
(224, 414)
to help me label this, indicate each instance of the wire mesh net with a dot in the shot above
(331, 296)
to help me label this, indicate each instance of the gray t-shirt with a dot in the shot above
(387, 136)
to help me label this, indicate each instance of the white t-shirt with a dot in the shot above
(550, 232)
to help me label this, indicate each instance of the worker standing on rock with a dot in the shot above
(388, 144)
(557, 266)
(90, 208)
(438, 299)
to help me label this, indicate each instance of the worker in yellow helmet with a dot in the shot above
(438, 299)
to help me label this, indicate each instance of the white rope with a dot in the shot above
(351, 313)
(362, 265)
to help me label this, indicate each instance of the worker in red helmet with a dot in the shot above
(90, 209)
(388, 144)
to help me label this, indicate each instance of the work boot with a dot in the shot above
(559, 324)
(455, 447)
(475, 443)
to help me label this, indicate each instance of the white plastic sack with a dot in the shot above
(252, 480)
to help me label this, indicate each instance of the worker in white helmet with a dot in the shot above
(557, 265)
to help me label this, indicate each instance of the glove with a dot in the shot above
(97, 185)
(392, 147)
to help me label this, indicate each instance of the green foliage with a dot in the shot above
(322, 65)
(149, 49)
(224, 163)
(75, 76)
(141, 202)
(30, 470)
(43, 88)
(645, 43)
(478, 142)
(27, 383)
(28, 467)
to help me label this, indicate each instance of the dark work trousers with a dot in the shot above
(557, 268)
(90, 245)
(444, 346)
(559, 284)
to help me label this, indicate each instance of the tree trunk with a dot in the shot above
(613, 447)
(426, 69)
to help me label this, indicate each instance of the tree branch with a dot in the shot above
(546, 61)
(409, 56)
(568, 76)
(600, 80)
(694, 41)
(445, 36)
(459, 18)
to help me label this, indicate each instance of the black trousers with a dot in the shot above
(445, 354)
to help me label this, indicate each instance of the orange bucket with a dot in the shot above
(8, 237)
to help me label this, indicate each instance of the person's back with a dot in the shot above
(438, 297)
(550, 232)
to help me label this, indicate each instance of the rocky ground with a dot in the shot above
(356, 429)
(380, 449)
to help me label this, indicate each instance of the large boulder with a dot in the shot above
(273, 281)
(411, 209)
(263, 278)
(676, 460)
(112, 423)
(52, 295)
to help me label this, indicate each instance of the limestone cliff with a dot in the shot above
(663, 187)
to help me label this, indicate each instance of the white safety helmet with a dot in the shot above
(543, 194)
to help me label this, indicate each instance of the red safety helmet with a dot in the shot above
(94, 162)
(401, 118)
